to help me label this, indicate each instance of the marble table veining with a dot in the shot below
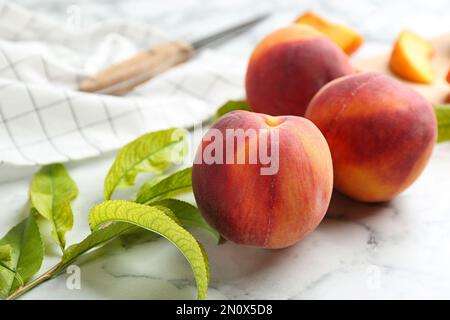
(394, 250)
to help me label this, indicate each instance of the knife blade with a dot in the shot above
(228, 32)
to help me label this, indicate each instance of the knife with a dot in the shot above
(124, 76)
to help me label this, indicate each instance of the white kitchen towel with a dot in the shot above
(44, 119)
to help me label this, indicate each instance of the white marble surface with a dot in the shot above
(399, 249)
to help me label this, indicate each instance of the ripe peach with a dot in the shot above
(273, 210)
(380, 132)
(289, 66)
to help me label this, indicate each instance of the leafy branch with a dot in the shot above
(52, 190)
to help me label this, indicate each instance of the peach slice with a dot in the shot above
(448, 76)
(346, 38)
(411, 58)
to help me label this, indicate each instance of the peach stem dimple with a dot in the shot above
(274, 121)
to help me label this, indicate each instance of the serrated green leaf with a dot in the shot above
(182, 212)
(229, 106)
(150, 152)
(52, 189)
(137, 236)
(206, 262)
(175, 183)
(27, 254)
(188, 215)
(156, 220)
(443, 121)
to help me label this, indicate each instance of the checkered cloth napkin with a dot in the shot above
(44, 119)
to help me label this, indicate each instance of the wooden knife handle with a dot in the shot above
(122, 77)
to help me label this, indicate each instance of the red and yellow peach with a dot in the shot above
(380, 132)
(274, 210)
(289, 66)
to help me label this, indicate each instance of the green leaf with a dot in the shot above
(443, 121)
(137, 236)
(156, 220)
(229, 106)
(5, 253)
(188, 215)
(175, 183)
(150, 152)
(185, 213)
(27, 254)
(5, 258)
(52, 189)
(95, 239)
